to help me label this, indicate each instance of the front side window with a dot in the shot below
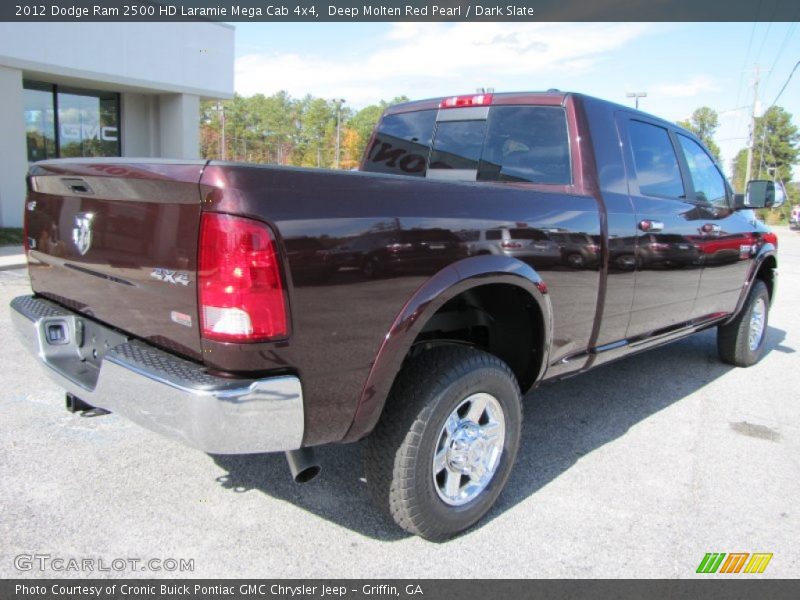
(709, 185)
(655, 162)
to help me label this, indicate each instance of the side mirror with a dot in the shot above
(760, 194)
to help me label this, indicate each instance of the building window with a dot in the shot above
(67, 122)
(40, 123)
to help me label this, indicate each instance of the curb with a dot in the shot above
(15, 261)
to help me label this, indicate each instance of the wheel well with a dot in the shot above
(501, 319)
(766, 273)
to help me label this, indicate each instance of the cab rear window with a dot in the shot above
(507, 143)
(402, 144)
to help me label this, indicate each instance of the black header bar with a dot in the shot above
(400, 10)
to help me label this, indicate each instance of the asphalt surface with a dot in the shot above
(636, 469)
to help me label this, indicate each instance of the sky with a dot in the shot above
(681, 66)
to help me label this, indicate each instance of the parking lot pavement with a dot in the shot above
(636, 469)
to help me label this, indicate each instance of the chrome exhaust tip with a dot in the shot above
(303, 464)
(75, 404)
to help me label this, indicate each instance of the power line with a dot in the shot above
(789, 32)
(788, 79)
(747, 55)
(764, 126)
(766, 35)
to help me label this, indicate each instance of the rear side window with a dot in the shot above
(512, 143)
(527, 234)
(654, 159)
(402, 144)
(526, 143)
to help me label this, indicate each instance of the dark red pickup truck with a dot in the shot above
(489, 243)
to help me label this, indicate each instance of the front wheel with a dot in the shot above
(447, 440)
(371, 267)
(741, 342)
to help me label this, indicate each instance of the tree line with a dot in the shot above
(282, 130)
(776, 149)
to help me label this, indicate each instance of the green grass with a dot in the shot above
(10, 236)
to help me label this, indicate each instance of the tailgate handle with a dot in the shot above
(77, 186)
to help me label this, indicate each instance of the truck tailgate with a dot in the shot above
(117, 240)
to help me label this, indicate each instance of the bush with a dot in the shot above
(10, 236)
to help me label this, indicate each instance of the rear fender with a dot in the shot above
(429, 298)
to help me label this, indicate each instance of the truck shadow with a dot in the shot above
(563, 422)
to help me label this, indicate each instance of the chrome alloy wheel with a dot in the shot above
(469, 447)
(757, 321)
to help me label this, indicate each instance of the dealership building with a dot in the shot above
(104, 89)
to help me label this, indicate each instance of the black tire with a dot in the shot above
(625, 262)
(733, 339)
(400, 451)
(371, 267)
(575, 260)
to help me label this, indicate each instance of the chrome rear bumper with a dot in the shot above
(157, 390)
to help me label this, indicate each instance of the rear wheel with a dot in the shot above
(575, 260)
(625, 262)
(447, 440)
(741, 342)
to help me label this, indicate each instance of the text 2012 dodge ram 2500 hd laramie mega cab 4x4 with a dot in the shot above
(489, 243)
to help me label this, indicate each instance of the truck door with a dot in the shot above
(666, 258)
(724, 237)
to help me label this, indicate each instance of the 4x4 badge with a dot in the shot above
(82, 232)
(170, 276)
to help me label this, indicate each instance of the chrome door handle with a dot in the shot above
(649, 226)
(711, 228)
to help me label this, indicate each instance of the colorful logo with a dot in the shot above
(735, 562)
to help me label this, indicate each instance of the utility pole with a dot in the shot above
(221, 109)
(338, 102)
(751, 139)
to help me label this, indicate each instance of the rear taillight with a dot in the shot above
(770, 238)
(470, 100)
(240, 291)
